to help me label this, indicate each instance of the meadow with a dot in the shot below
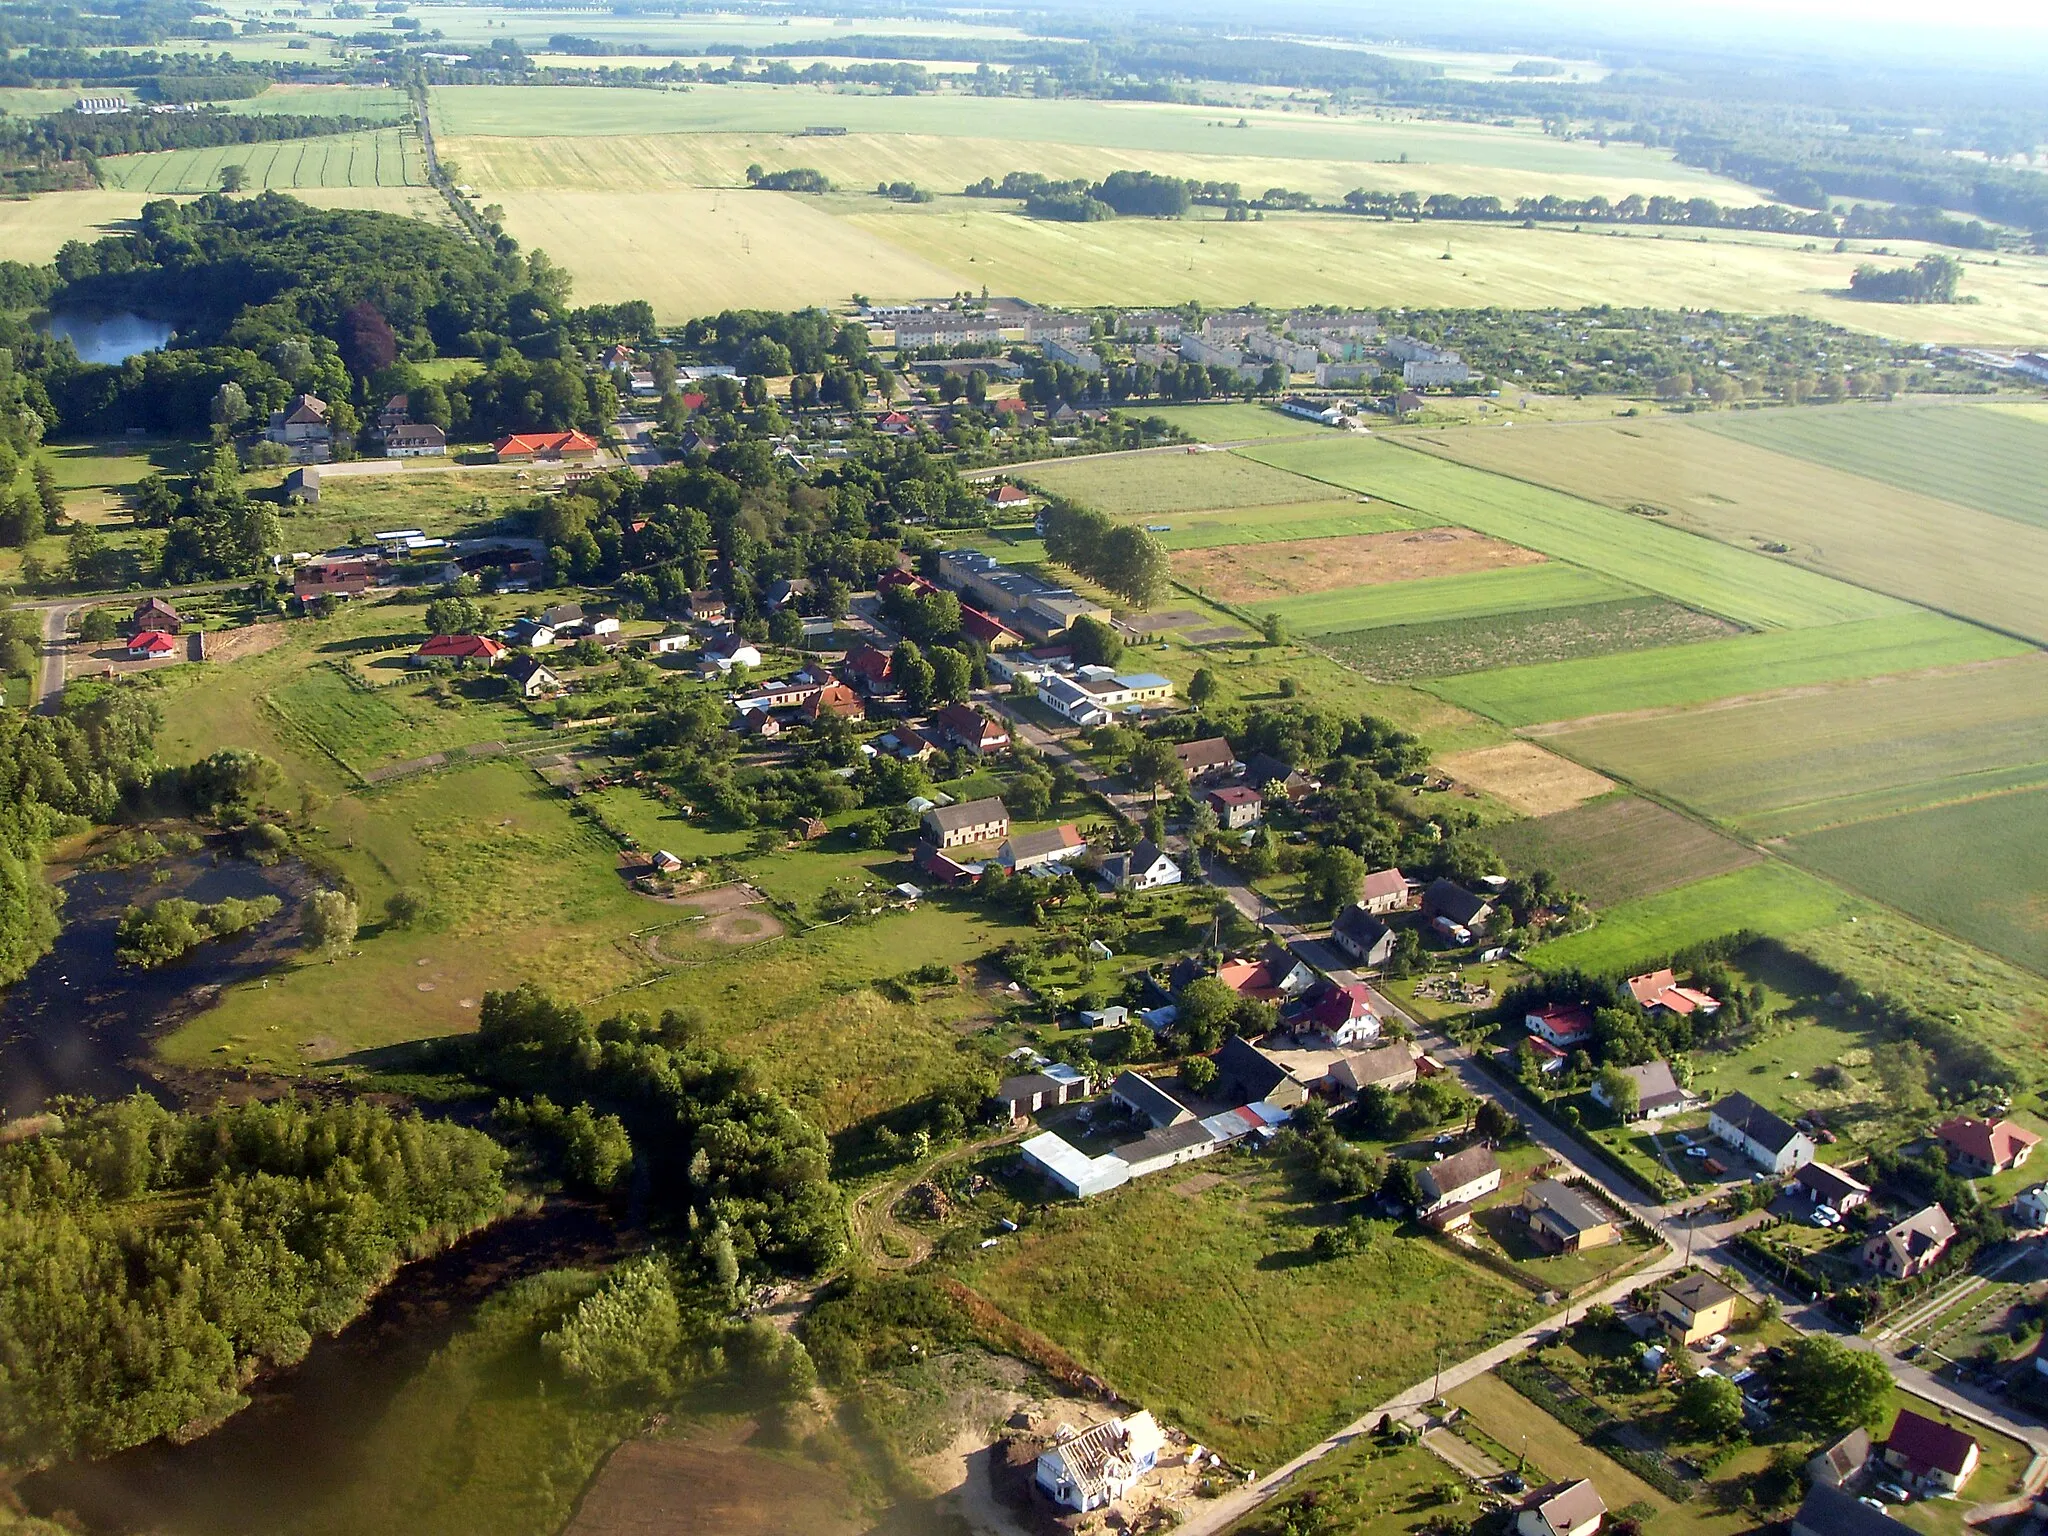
(1447, 647)
(1675, 676)
(1972, 868)
(1207, 1308)
(378, 157)
(1265, 525)
(1619, 848)
(1232, 423)
(1732, 482)
(1799, 761)
(1771, 898)
(1169, 480)
(1748, 588)
(1981, 458)
(383, 104)
(33, 229)
(1515, 589)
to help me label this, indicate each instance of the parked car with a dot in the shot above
(1715, 1345)
(1513, 1482)
(1894, 1493)
(1823, 1217)
(1873, 1503)
(1699, 1152)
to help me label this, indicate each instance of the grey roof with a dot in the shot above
(1381, 1064)
(1828, 1182)
(1151, 1100)
(1210, 752)
(967, 813)
(1569, 1206)
(1027, 846)
(1165, 1140)
(1697, 1292)
(1447, 898)
(1567, 1506)
(1768, 1130)
(1656, 1084)
(524, 668)
(1249, 1070)
(1359, 926)
(1012, 1089)
(1459, 1169)
(1831, 1512)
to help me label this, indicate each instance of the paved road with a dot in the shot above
(638, 435)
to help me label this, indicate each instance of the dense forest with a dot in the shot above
(150, 1261)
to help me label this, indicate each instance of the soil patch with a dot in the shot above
(1221, 634)
(235, 644)
(712, 1486)
(723, 898)
(1194, 1186)
(1526, 777)
(1155, 623)
(1290, 567)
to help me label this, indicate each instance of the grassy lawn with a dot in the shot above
(1148, 484)
(1234, 423)
(1771, 897)
(1796, 763)
(1208, 1308)
(1518, 589)
(1366, 1489)
(1712, 669)
(1969, 868)
(1748, 588)
(1619, 848)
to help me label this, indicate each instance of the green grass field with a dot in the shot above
(1207, 1308)
(1729, 483)
(382, 104)
(379, 157)
(1973, 869)
(1771, 898)
(1234, 423)
(1716, 669)
(1747, 588)
(1512, 589)
(1172, 481)
(1619, 848)
(1364, 1489)
(1989, 460)
(1447, 647)
(1803, 761)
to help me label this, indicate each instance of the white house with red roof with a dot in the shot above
(460, 649)
(1342, 1015)
(543, 447)
(1932, 1454)
(151, 645)
(1563, 1025)
(1660, 990)
(1385, 890)
(1980, 1148)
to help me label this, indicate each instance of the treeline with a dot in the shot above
(150, 1262)
(61, 136)
(1930, 280)
(58, 772)
(724, 1153)
(1121, 556)
(1134, 194)
(798, 179)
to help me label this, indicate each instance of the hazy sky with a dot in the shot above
(1977, 15)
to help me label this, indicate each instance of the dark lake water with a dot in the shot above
(107, 338)
(79, 1023)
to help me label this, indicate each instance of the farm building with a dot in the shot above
(155, 613)
(1147, 1101)
(1384, 891)
(1032, 1091)
(1391, 1066)
(1072, 1170)
(1458, 1179)
(970, 821)
(1206, 760)
(1041, 850)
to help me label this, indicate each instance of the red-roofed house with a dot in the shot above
(1660, 989)
(332, 578)
(1548, 1057)
(1562, 1024)
(896, 424)
(1342, 1014)
(151, 644)
(971, 728)
(835, 699)
(543, 447)
(1009, 496)
(460, 648)
(868, 667)
(988, 629)
(1930, 1452)
(1980, 1148)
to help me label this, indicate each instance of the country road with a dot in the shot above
(57, 612)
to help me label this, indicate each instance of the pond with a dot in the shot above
(107, 338)
(81, 1023)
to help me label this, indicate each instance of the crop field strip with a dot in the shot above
(1448, 647)
(1254, 573)
(1675, 676)
(1282, 524)
(1171, 482)
(1770, 897)
(1941, 553)
(1989, 460)
(1972, 868)
(1800, 761)
(1748, 588)
(383, 157)
(1516, 589)
(1619, 848)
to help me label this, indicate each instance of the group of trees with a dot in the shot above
(1121, 556)
(167, 930)
(1930, 280)
(125, 1317)
(57, 771)
(723, 1151)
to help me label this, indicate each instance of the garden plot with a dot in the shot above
(1249, 573)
